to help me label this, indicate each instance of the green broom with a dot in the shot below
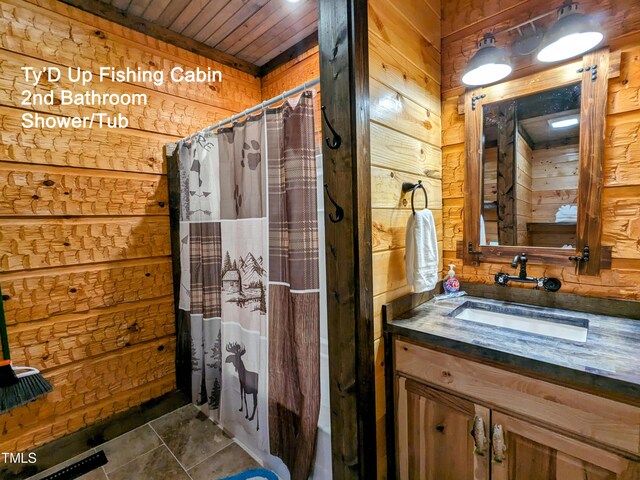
(18, 385)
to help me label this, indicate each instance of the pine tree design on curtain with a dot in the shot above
(250, 279)
(243, 190)
(216, 364)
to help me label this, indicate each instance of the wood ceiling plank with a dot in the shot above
(230, 27)
(197, 17)
(280, 32)
(137, 7)
(121, 4)
(155, 9)
(309, 46)
(170, 13)
(254, 27)
(223, 16)
(164, 34)
(192, 10)
(284, 46)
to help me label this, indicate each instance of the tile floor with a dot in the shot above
(181, 445)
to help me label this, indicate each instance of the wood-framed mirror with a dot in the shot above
(534, 166)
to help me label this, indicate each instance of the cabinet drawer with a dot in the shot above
(605, 421)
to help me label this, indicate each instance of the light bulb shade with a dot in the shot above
(572, 35)
(488, 65)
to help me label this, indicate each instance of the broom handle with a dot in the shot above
(3, 331)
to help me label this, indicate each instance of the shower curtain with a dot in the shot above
(250, 279)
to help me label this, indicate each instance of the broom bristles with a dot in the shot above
(26, 390)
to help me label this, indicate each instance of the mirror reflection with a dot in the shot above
(530, 170)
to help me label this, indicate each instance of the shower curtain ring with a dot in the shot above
(339, 210)
(337, 139)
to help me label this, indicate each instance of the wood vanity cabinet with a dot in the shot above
(461, 420)
(536, 453)
(434, 435)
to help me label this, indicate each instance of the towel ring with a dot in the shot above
(412, 187)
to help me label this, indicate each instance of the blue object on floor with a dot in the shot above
(254, 473)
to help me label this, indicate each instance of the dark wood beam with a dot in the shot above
(298, 49)
(592, 139)
(182, 321)
(344, 74)
(109, 12)
(507, 172)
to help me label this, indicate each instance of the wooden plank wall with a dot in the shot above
(84, 246)
(463, 22)
(554, 181)
(404, 76)
(524, 156)
(292, 74)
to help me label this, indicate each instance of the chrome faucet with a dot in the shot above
(549, 284)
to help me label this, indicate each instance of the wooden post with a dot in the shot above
(507, 231)
(593, 112)
(183, 332)
(343, 40)
(474, 119)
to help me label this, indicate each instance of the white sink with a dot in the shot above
(524, 320)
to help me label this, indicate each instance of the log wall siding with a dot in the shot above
(292, 74)
(84, 245)
(405, 122)
(554, 181)
(621, 195)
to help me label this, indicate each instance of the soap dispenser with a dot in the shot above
(451, 284)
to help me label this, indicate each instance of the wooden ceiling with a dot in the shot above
(542, 135)
(253, 31)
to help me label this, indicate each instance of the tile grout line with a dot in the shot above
(132, 460)
(214, 453)
(167, 447)
(102, 445)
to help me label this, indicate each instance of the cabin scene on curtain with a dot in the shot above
(249, 280)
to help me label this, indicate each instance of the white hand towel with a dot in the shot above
(483, 231)
(422, 251)
(567, 213)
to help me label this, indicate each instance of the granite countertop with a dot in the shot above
(607, 364)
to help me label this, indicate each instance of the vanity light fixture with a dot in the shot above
(488, 65)
(572, 35)
(564, 122)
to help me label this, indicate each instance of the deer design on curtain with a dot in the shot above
(248, 380)
(250, 281)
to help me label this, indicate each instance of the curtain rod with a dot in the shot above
(260, 106)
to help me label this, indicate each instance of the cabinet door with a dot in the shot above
(523, 451)
(435, 435)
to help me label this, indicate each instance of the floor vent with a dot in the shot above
(78, 469)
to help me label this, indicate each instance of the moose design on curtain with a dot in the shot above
(250, 279)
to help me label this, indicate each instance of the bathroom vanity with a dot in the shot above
(483, 388)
